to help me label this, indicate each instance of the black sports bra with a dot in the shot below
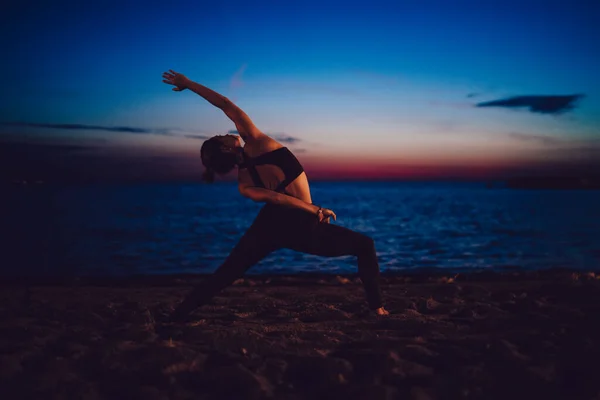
(282, 158)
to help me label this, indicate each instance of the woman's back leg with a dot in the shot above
(254, 245)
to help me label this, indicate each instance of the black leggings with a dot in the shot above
(278, 227)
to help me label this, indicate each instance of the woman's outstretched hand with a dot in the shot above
(325, 215)
(176, 79)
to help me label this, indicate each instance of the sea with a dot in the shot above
(141, 229)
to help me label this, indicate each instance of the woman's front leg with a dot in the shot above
(329, 240)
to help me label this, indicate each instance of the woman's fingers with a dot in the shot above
(175, 79)
(331, 214)
(326, 215)
(168, 78)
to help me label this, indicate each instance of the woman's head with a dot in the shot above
(219, 155)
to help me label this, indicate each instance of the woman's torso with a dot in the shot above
(273, 175)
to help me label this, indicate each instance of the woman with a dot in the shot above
(268, 172)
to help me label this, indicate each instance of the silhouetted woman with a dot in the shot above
(268, 172)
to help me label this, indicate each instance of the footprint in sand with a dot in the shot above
(328, 313)
(245, 314)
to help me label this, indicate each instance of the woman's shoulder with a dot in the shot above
(262, 146)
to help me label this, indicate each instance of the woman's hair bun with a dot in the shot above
(208, 175)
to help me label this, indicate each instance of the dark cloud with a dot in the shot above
(471, 95)
(536, 103)
(126, 129)
(582, 153)
(16, 150)
(280, 137)
(285, 138)
(548, 140)
(577, 151)
(200, 137)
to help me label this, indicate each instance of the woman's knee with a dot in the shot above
(368, 267)
(365, 245)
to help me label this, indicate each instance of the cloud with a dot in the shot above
(17, 149)
(200, 137)
(579, 149)
(280, 137)
(583, 151)
(580, 156)
(127, 129)
(471, 95)
(548, 140)
(536, 103)
(124, 129)
(236, 80)
(285, 138)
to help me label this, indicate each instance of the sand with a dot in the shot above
(507, 335)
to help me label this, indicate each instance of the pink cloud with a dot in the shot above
(236, 80)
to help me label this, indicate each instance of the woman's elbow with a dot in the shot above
(252, 195)
(245, 192)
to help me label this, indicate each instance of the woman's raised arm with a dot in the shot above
(243, 123)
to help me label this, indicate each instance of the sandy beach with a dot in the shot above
(508, 335)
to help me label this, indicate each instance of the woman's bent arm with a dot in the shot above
(269, 196)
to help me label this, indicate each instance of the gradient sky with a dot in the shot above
(405, 89)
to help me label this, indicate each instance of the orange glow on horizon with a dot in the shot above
(397, 171)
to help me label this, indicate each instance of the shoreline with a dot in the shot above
(426, 274)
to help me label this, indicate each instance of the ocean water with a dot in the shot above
(190, 228)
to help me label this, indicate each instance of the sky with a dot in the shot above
(429, 89)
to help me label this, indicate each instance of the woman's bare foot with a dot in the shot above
(382, 311)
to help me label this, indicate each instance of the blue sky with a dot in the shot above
(375, 89)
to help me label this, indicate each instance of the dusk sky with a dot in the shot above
(406, 89)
